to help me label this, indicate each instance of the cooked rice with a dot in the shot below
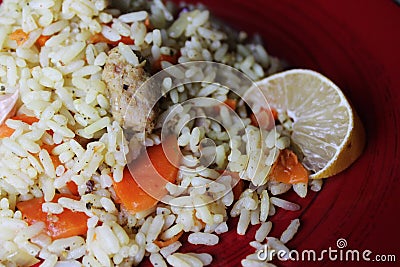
(263, 231)
(61, 84)
(290, 231)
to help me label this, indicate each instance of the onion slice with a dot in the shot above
(7, 106)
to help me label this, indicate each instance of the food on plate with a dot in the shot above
(106, 160)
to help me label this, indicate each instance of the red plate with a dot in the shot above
(356, 44)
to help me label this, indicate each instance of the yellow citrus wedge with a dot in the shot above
(321, 122)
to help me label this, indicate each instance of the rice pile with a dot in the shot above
(60, 83)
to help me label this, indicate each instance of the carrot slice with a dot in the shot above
(5, 131)
(232, 103)
(66, 224)
(41, 41)
(19, 36)
(25, 118)
(131, 195)
(287, 169)
(161, 243)
(73, 188)
(153, 173)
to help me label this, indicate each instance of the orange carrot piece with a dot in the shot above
(66, 224)
(232, 103)
(41, 41)
(126, 40)
(161, 243)
(287, 169)
(5, 131)
(49, 148)
(153, 174)
(274, 113)
(25, 118)
(131, 195)
(73, 188)
(19, 36)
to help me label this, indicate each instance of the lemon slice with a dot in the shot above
(322, 123)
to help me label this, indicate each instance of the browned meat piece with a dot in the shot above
(131, 108)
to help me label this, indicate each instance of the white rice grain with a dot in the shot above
(177, 261)
(55, 27)
(168, 250)
(263, 231)
(203, 239)
(109, 243)
(133, 16)
(157, 260)
(290, 231)
(128, 54)
(300, 189)
(284, 204)
(205, 258)
(155, 228)
(244, 221)
(53, 208)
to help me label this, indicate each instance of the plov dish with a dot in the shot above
(82, 123)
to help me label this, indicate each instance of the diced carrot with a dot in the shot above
(287, 169)
(49, 148)
(6, 131)
(274, 113)
(25, 118)
(131, 195)
(161, 243)
(19, 36)
(73, 188)
(232, 103)
(126, 40)
(152, 171)
(99, 38)
(41, 41)
(66, 224)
